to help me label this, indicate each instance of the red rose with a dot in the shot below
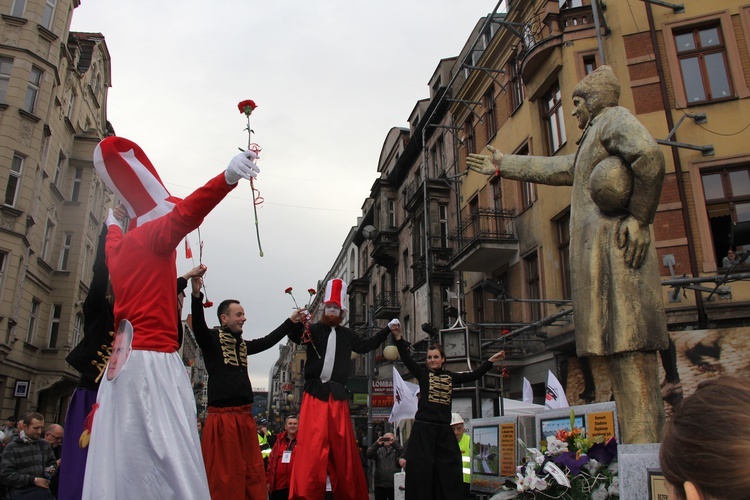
(288, 290)
(208, 304)
(244, 105)
(311, 291)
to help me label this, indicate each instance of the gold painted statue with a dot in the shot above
(616, 174)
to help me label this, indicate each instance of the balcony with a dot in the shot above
(387, 305)
(440, 269)
(385, 248)
(548, 29)
(485, 240)
(414, 192)
(516, 348)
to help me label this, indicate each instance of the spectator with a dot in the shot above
(385, 453)
(28, 461)
(281, 460)
(9, 429)
(730, 259)
(266, 440)
(695, 467)
(464, 444)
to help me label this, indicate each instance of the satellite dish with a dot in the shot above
(369, 232)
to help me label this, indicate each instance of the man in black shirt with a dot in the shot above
(234, 466)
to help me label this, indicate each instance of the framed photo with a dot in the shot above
(657, 486)
(550, 426)
(21, 390)
(485, 450)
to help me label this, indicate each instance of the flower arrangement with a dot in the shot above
(247, 107)
(307, 334)
(570, 466)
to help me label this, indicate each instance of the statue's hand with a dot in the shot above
(635, 237)
(488, 165)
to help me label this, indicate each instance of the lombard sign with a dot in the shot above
(382, 393)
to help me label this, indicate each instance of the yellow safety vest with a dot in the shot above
(464, 444)
(265, 451)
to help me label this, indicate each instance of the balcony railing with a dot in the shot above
(484, 224)
(386, 305)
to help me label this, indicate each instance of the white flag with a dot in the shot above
(555, 397)
(528, 393)
(404, 399)
(450, 294)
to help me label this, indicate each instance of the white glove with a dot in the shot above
(111, 220)
(394, 322)
(241, 167)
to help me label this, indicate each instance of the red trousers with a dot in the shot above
(326, 444)
(231, 453)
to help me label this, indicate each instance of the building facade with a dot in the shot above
(431, 230)
(53, 95)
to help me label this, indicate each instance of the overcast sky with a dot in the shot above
(330, 77)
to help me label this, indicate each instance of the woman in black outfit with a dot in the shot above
(433, 458)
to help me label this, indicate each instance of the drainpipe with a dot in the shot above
(702, 319)
(599, 41)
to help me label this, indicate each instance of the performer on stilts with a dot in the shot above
(326, 445)
(144, 441)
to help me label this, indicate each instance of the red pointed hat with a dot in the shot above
(128, 172)
(335, 291)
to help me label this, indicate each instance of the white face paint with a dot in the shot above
(332, 309)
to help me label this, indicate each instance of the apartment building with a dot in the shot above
(53, 95)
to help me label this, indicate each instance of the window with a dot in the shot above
(443, 219)
(49, 235)
(490, 121)
(48, 15)
(54, 327)
(32, 89)
(14, 180)
(77, 328)
(474, 218)
(502, 307)
(703, 63)
(33, 315)
(3, 260)
(418, 236)
(59, 168)
(589, 63)
(567, 4)
(405, 266)
(704, 58)
(95, 83)
(18, 7)
(528, 189)
(6, 65)
(478, 300)
(515, 93)
(392, 213)
(553, 116)
(533, 285)
(75, 190)
(563, 248)
(727, 194)
(65, 253)
(88, 261)
(71, 106)
(469, 141)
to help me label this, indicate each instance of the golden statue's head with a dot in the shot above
(599, 89)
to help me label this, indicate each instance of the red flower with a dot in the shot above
(247, 106)
(311, 291)
(208, 304)
(505, 332)
(288, 290)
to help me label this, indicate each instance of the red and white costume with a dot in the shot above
(144, 441)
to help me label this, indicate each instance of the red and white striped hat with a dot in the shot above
(335, 291)
(128, 172)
